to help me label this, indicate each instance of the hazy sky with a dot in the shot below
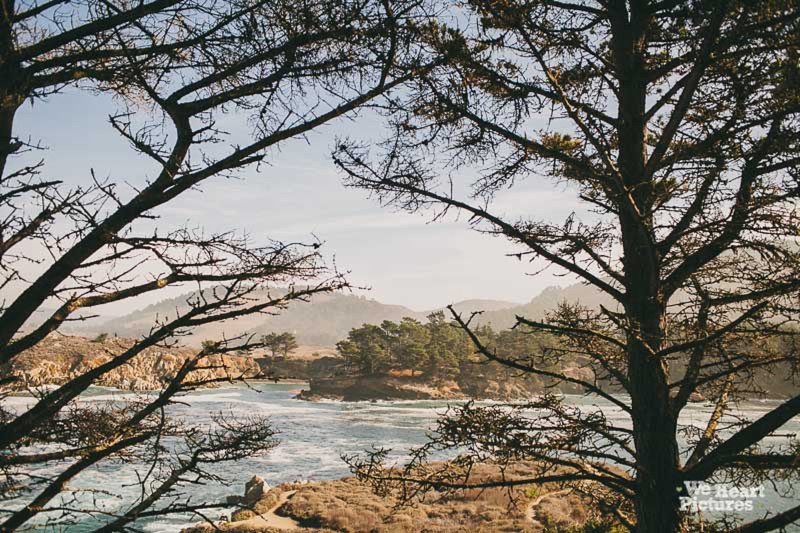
(404, 258)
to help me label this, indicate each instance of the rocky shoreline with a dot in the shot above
(387, 388)
(348, 505)
(60, 358)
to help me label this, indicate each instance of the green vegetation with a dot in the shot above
(438, 348)
(674, 128)
(100, 338)
(280, 344)
(209, 346)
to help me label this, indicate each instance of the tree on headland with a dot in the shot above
(279, 343)
(411, 341)
(676, 125)
(366, 349)
(371, 349)
(174, 68)
(437, 349)
(448, 346)
(288, 343)
(271, 343)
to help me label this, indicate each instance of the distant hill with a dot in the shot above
(468, 306)
(327, 318)
(545, 301)
(323, 321)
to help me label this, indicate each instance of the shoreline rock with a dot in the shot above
(393, 388)
(60, 358)
(348, 505)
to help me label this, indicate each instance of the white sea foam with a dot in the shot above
(314, 435)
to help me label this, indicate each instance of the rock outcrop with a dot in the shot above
(388, 387)
(59, 358)
(348, 505)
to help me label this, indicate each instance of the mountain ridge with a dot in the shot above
(327, 318)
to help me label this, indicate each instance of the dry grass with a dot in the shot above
(348, 506)
(307, 352)
(562, 512)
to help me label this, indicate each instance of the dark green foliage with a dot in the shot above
(366, 349)
(448, 346)
(437, 348)
(280, 343)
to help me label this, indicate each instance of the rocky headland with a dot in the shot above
(348, 505)
(60, 358)
(467, 385)
(398, 387)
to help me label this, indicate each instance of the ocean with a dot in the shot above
(313, 436)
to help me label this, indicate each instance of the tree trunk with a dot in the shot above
(7, 111)
(656, 500)
(10, 98)
(654, 427)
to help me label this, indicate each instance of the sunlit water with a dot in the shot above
(314, 436)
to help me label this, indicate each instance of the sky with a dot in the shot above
(402, 258)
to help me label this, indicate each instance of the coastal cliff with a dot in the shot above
(60, 358)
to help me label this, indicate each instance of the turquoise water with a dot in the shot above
(314, 435)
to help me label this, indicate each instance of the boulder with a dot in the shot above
(254, 490)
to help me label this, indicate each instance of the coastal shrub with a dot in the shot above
(594, 526)
(352, 520)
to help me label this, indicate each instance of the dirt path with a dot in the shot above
(530, 514)
(270, 519)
